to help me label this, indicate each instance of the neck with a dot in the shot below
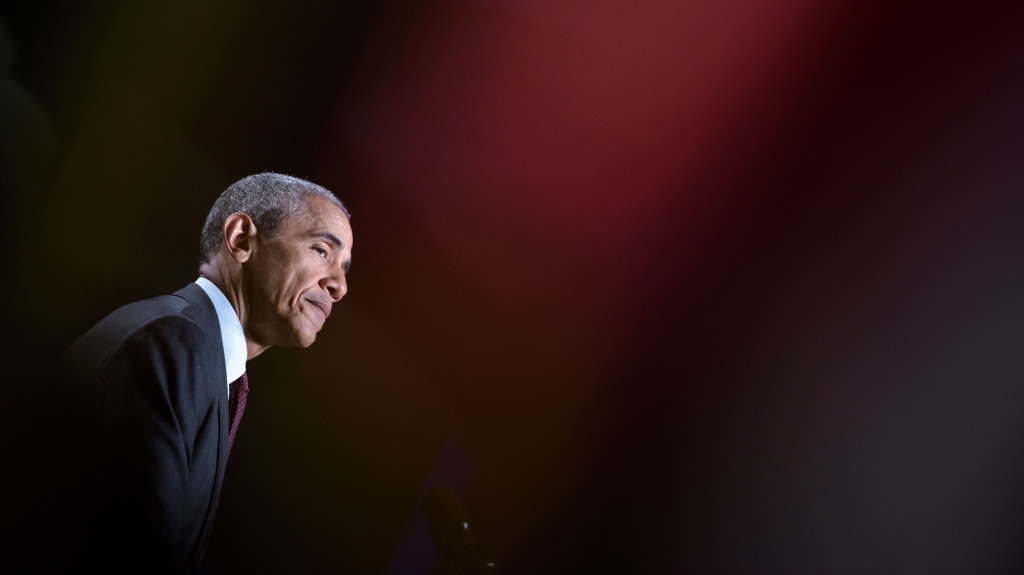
(229, 282)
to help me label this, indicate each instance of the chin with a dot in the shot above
(302, 333)
(304, 338)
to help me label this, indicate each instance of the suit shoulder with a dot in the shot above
(167, 319)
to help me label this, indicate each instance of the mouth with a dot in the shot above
(323, 308)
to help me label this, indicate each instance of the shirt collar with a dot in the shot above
(235, 350)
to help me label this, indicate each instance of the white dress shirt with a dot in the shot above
(235, 350)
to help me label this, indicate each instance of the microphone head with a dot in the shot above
(449, 528)
(443, 509)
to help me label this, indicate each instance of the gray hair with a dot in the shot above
(267, 198)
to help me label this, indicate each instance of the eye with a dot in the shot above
(321, 252)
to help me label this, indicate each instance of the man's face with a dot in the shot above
(292, 280)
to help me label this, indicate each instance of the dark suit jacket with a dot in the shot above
(151, 400)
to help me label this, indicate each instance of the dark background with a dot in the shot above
(714, 287)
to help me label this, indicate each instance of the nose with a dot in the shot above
(335, 285)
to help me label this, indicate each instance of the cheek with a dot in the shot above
(275, 279)
(294, 280)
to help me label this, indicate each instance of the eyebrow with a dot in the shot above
(329, 237)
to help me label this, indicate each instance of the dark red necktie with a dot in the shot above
(236, 405)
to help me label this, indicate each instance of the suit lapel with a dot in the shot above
(206, 316)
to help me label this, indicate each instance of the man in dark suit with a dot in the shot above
(159, 386)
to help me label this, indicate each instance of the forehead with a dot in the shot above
(319, 216)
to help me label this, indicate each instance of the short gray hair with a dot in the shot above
(267, 198)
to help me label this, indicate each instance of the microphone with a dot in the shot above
(449, 528)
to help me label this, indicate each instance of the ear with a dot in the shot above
(240, 236)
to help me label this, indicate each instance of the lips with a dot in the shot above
(322, 306)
